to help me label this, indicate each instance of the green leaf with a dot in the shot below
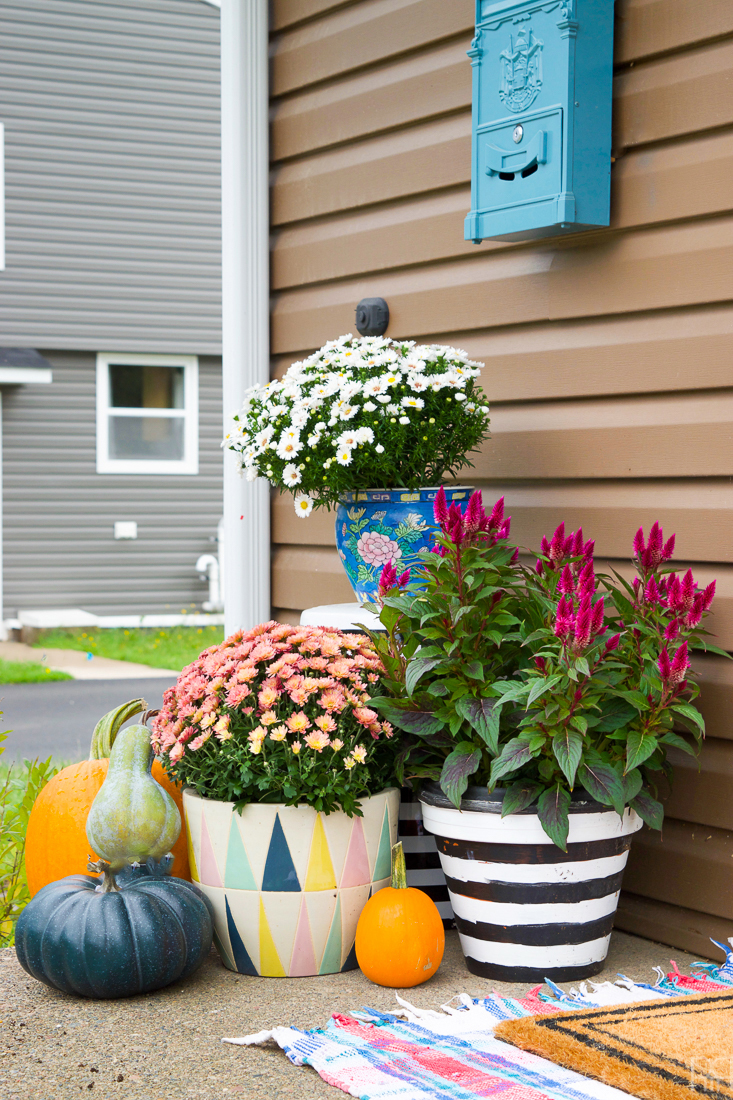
(475, 670)
(519, 795)
(582, 666)
(541, 686)
(567, 745)
(672, 738)
(639, 747)
(619, 715)
(457, 768)
(648, 809)
(553, 811)
(692, 713)
(602, 783)
(580, 722)
(515, 753)
(482, 715)
(417, 668)
(420, 722)
(631, 783)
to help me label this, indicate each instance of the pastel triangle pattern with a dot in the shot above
(209, 871)
(280, 873)
(320, 874)
(383, 864)
(351, 961)
(331, 961)
(243, 962)
(270, 965)
(356, 867)
(237, 873)
(192, 859)
(303, 960)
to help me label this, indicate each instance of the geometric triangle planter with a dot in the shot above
(524, 909)
(277, 878)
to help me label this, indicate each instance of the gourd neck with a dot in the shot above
(399, 868)
(107, 728)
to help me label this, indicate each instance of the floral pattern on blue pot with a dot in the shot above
(376, 526)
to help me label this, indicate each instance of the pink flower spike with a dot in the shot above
(503, 532)
(566, 585)
(404, 579)
(613, 643)
(578, 543)
(497, 515)
(545, 547)
(664, 665)
(680, 664)
(539, 567)
(639, 546)
(598, 613)
(687, 590)
(671, 631)
(583, 626)
(651, 592)
(568, 548)
(387, 578)
(474, 513)
(440, 508)
(564, 620)
(589, 549)
(708, 596)
(557, 546)
(656, 542)
(540, 664)
(515, 556)
(693, 616)
(668, 550)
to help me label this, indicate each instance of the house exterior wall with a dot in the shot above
(59, 513)
(112, 169)
(607, 355)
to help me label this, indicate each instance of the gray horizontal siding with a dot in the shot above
(59, 513)
(112, 149)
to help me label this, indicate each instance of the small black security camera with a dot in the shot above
(372, 316)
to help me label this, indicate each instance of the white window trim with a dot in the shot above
(190, 463)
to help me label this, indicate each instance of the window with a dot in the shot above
(147, 414)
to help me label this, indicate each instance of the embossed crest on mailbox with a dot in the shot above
(541, 146)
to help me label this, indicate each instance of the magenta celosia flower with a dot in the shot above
(680, 664)
(564, 619)
(440, 509)
(566, 584)
(664, 665)
(539, 567)
(651, 592)
(671, 630)
(556, 549)
(613, 643)
(598, 613)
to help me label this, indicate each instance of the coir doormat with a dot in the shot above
(679, 1049)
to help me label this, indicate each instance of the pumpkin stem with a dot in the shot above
(108, 727)
(399, 869)
(108, 885)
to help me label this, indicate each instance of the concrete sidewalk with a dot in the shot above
(80, 665)
(167, 1045)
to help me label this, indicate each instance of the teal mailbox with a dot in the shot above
(541, 146)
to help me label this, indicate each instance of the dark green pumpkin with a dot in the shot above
(97, 937)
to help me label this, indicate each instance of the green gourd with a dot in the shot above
(133, 818)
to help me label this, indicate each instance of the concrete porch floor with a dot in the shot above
(167, 1045)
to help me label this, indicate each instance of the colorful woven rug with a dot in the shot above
(660, 1050)
(417, 1054)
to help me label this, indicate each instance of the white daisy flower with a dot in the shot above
(252, 473)
(393, 409)
(383, 398)
(379, 449)
(369, 406)
(292, 475)
(460, 397)
(299, 418)
(289, 445)
(343, 456)
(364, 435)
(413, 403)
(347, 439)
(391, 379)
(346, 412)
(303, 505)
(404, 420)
(373, 387)
(417, 383)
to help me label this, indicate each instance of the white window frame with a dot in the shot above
(189, 414)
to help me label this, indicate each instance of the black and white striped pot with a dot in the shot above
(525, 910)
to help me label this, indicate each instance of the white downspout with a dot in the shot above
(245, 293)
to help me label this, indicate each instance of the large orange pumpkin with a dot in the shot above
(400, 937)
(56, 841)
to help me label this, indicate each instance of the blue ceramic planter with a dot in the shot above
(375, 526)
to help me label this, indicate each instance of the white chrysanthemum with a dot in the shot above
(303, 505)
(460, 397)
(347, 439)
(292, 475)
(404, 420)
(251, 473)
(343, 456)
(393, 409)
(314, 439)
(391, 379)
(413, 403)
(262, 439)
(347, 412)
(373, 387)
(379, 449)
(369, 406)
(349, 390)
(289, 444)
(383, 398)
(364, 435)
(299, 418)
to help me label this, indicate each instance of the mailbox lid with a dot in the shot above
(520, 162)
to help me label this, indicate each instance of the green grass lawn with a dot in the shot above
(173, 647)
(28, 672)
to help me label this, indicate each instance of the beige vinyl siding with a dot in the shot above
(608, 355)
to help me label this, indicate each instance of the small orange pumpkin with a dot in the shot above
(56, 842)
(399, 938)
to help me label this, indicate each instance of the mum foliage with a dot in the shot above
(547, 679)
(361, 413)
(279, 714)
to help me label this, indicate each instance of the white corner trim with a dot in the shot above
(245, 294)
(214, 3)
(19, 376)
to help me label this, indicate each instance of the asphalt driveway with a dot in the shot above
(57, 718)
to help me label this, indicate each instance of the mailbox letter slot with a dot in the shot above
(510, 162)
